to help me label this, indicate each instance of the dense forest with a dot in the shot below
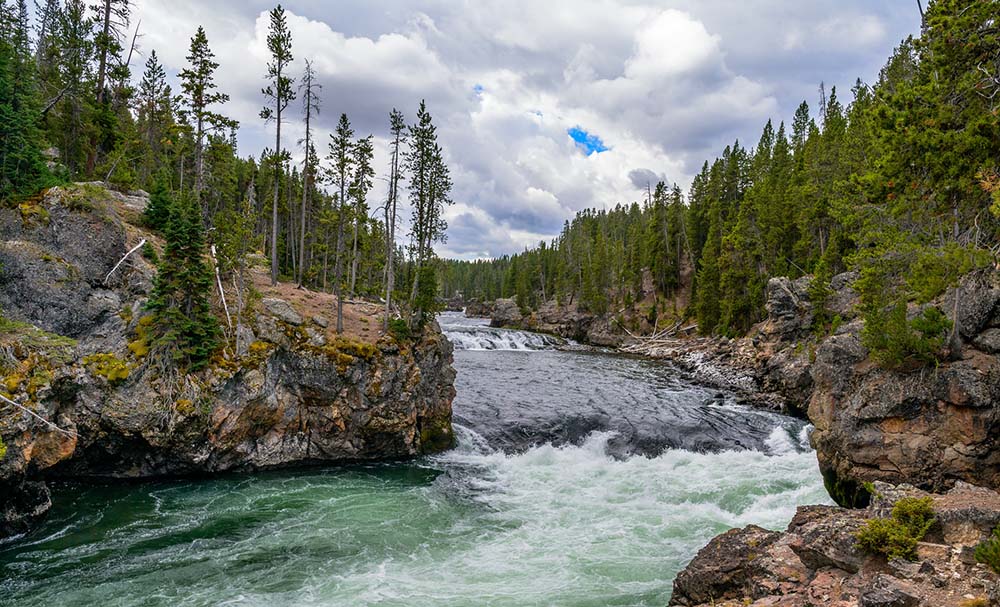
(77, 104)
(901, 184)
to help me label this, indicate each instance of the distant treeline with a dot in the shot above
(902, 185)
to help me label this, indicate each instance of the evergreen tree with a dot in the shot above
(22, 170)
(279, 93)
(341, 159)
(199, 95)
(185, 325)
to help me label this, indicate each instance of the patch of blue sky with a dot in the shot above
(588, 142)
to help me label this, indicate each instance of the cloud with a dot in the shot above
(641, 178)
(543, 109)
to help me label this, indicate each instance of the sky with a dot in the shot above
(543, 108)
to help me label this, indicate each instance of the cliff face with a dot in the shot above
(902, 431)
(929, 427)
(75, 353)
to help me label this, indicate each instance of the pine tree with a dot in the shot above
(279, 93)
(154, 111)
(363, 151)
(22, 170)
(310, 104)
(186, 328)
(199, 95)
(397, 130)
(339, 173)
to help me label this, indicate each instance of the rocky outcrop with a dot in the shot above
(506, 313)
(567, 321)
(816, 561)
(928, 426)
(478, 309)
(75, 352)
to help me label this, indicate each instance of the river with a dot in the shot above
(581, 478)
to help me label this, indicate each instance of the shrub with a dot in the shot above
(988, 552)
(400, 330)
(108, 366)
(897, 536)
(150, 253)
(895, 341)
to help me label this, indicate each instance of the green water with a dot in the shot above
(552, 526)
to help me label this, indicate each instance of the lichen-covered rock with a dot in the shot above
(927, 427)
(281, 310)
(724, 568)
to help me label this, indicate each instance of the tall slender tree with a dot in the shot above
(341, 160)
(363, 174)
(309, 90)
(199, 95)
(397, 130)
(279, 94)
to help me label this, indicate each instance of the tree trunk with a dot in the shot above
(274, 204)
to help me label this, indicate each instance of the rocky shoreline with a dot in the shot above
(92, 403)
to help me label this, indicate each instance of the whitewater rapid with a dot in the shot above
(579, 480)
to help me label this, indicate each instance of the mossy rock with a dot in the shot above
(108, 366)
(848, 493)
(436, 436)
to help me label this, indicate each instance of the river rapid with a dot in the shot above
(581, 478)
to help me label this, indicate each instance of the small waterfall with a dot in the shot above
(486, 338)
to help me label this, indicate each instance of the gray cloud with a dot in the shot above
(665, 84)
(641, 178)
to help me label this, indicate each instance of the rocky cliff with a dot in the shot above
(92, 402)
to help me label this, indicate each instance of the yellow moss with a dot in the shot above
(139, 347)
(184, 406)
(108, 366)
(144, 335)
(257, 353)
(31, 374)
(126, 314)
(33, 212)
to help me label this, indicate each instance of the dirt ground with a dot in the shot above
(362, 319)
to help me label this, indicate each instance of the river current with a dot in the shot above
(581, 478)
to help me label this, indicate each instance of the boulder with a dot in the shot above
(816, 561)
(988, 341)
(506, 313)
(282, 310)
(724, 568)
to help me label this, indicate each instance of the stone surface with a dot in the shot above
(816, 563)
(724, 568)
(282, 310)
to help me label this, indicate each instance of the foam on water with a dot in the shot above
(550, 526)
(485, 338)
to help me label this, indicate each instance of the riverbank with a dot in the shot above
(88, 400)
